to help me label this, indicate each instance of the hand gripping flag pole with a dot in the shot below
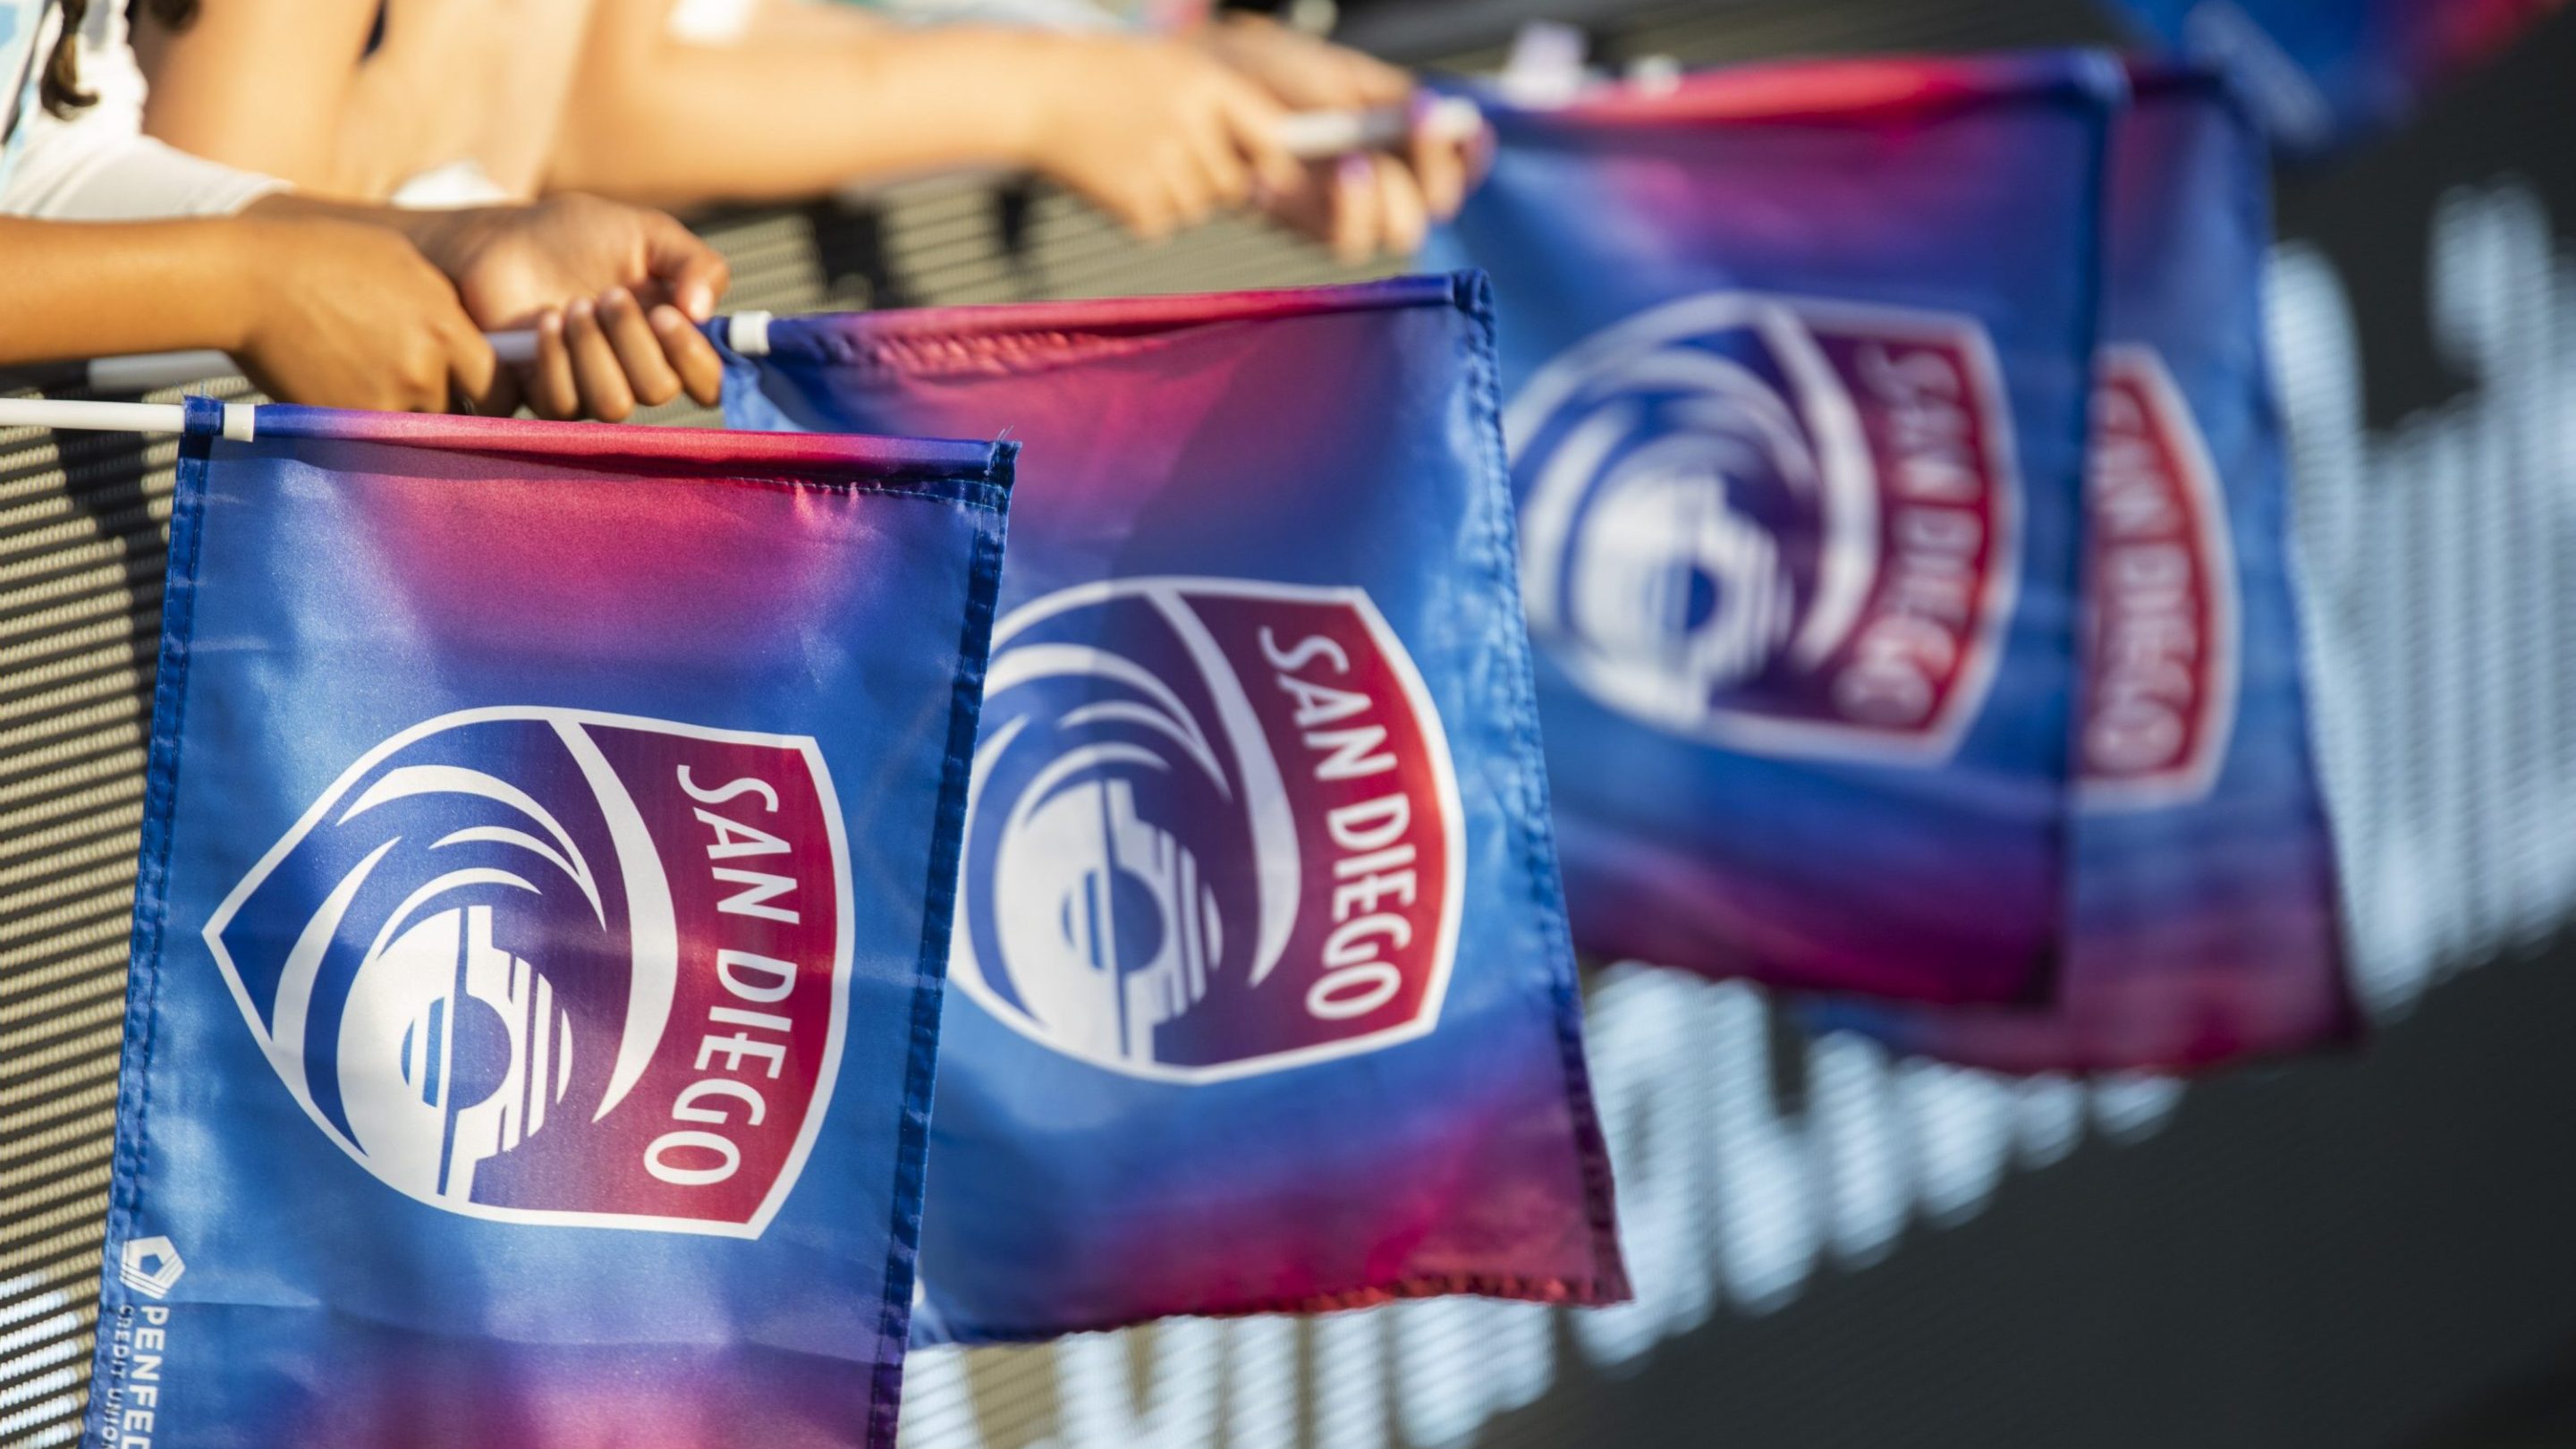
(1309, 135)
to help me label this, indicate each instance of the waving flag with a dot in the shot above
(2203, 922)
(547, 868)
(1797, 362)
(2325, 72)
(1265, 1000)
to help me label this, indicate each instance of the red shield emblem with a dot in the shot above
(1782, 525)
(2159, 656)
(550, 966)
(1214, 830)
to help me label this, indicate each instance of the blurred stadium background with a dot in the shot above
(1832, 1247)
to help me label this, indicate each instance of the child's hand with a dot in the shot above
(611, 289)
(342, 314)
(1365, 203)
(1154, 132)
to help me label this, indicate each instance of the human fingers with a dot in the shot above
(417, 378)
(1221, 164)
(648, 374)
(552, 391)
(1352, 227)
(1403, 222)
(473, 372)
(1439, 167)
(595, 368)
(687, 270)
(1257, 126)
(1185, 183)
(701, 370)
(1142, 204)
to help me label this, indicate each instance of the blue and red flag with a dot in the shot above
(1797, 360)
(2203, 921)
(2321, 73)
(1265, 1000)
(549, 847)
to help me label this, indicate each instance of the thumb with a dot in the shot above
(687, 270)
(473, 372)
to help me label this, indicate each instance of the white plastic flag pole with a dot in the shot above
(1320, 135)
(152, 371)
(109, 417)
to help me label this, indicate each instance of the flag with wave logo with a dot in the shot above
(2203, 922)
(549, 846)
(1796, 360)
(1264, 997)
(2324, 73)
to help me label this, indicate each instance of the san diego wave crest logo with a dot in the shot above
(2159, 660)
(550, 966)
(1781, 525)
(1214, 830)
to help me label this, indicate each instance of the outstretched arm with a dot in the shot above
(355, 306)
(1155, 131)
(315, 310)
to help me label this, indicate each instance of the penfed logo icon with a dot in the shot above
(1213, 830)
(150, 1266)
(1780, 525)
(550, 966)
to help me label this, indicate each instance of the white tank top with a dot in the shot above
(96, 164)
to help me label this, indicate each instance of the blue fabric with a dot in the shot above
(1797, 362)
(548, 849)
(1264, 1000)
(2325, 73)
(2203, 926)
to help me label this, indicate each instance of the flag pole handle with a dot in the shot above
(1322, 135)
(115, 417)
